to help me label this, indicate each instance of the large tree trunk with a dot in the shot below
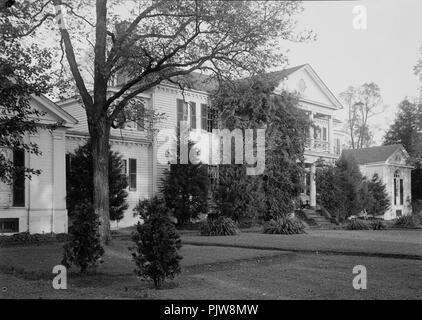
(100, 133)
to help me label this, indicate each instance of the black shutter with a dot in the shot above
(132, 174)
(193, 115)
(19, 178)
(204, 116)
(179, 111)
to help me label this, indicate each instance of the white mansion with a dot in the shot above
(39, 205)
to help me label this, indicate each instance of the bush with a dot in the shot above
(284, 225)
(185, 188)
(25, 238)
(341, 188)
(221, 226)
(237, 195)
(252, 104)
(79, 183)
(84, 249)
(409, 221)
(356, 224)
(156, 244)
(378, 225)
(377, 199)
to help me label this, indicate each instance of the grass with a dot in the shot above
(211, 272)
(289, 276)
(37, 262)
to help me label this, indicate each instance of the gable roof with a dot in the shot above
(281, 74)
(53, 108)
(373, 154)
(203, 82)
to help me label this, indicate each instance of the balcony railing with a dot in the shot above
(317, 145)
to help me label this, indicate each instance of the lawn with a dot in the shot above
(390, 243)
(228, 272)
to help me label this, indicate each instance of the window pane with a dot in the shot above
(132, 174)
(179, 111)
(9, 225)
(401, 191)
(204, 116)
(19, 178)
(124, 169)
(193, 115)
(395, 191)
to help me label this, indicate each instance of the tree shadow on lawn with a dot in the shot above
(117, 271)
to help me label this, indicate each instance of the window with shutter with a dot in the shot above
(211, 120)
(180, 112)
(132, 174)
(19, 178)
(204, 116)
(192, 115)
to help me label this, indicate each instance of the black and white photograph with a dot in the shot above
(185, 151)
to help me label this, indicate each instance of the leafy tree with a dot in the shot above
(185, 188)
(156, 243)
(237, 195)
(350, 182)
(24, 71)
(249, 105)
(153, 41)
(362, 104)
(83, 249)
(330, 191)
(406, 130)
(418, 70)
(341, 188)
(80, 184)
(378, 201)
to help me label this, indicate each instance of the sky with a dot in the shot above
(384, 53)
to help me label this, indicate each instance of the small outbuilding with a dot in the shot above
(391, 163)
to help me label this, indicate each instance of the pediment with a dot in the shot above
(399, 157)
(310, 87)
(51, 113)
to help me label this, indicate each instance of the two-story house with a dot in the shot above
(142, 151)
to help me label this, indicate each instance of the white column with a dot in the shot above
(58, 182)
(331, 134)
(313, 186)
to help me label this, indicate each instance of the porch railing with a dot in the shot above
(317, 145)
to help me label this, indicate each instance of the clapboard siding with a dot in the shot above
(133, 144)
(165, 100)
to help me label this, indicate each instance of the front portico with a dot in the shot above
(325, 138)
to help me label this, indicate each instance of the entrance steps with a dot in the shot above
(316, 219)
